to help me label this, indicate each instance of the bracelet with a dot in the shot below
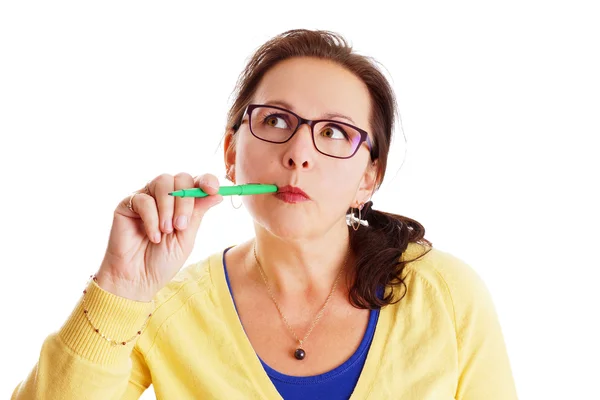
(111, 341)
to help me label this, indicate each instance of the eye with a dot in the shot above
(276, 121)
(330, 132)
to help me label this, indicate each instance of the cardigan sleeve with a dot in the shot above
(77, 363)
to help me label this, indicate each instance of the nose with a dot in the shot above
(300, 151)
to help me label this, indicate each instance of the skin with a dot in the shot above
(301, 246)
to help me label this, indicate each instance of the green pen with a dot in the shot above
(240, 190)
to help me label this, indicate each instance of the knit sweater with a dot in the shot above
(442, 340)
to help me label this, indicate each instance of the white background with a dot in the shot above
(499, 103)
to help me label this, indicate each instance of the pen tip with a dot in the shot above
(170, 193)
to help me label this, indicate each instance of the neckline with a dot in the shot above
(323, 377)
(253, 363)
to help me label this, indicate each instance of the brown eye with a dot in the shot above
(331, 130)
(276, 121)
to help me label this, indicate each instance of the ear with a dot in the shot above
(229, 152)
(368, 183)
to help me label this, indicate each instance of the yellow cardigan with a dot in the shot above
(441, 341)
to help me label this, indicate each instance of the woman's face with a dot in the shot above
(311, 88)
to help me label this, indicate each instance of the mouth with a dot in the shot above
(291, 194)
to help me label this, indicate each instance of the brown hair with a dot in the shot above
(378, 247)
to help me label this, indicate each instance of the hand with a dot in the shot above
(148, 246)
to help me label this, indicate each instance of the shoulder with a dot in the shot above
(449, 279)
(441, 280)
(440, 268)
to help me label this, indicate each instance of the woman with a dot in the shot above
(331, 300)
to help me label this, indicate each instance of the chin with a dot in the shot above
(286, 226)
(284, 222)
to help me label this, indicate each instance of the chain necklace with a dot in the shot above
(299, 354)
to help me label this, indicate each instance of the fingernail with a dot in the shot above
(167, 225)
(181, 222)
(157, 237)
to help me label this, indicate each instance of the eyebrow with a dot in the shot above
(326, 115)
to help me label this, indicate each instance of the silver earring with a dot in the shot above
(227, 175)
(351, 218)
(231, 198)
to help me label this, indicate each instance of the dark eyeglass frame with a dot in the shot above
(364, 136)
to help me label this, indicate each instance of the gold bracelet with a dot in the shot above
(112, 341)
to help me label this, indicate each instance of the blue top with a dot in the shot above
(332, 385)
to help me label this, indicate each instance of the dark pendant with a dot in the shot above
(299, 354)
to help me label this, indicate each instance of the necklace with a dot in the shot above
(299, 354)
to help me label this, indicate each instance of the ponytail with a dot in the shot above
(378, 248)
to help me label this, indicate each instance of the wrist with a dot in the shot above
(122, 288)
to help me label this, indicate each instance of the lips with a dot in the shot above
(292, 190)
(291, 194)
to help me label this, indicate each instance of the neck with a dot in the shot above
(302, 267)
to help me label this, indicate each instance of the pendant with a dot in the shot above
(299, 354)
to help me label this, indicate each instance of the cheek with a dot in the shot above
(342, 192)
(338, 187)
(250, 162)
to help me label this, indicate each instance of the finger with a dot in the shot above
(210, 184)
(145, 206)
(159, 189)
(123, 208)
(184, 206)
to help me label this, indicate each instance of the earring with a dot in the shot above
(227, 175)
(231, 199)
(351, 218)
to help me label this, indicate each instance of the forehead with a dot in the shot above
(314, 87)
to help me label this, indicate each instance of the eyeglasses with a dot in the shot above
(331, 138)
